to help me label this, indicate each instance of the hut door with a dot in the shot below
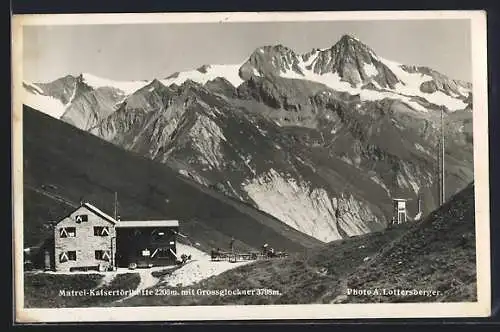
(47, 260)
(401, 217)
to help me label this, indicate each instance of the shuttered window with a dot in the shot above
(67, 256)
(101, 230)
(103, 255)
(81, 218)
(67, 232)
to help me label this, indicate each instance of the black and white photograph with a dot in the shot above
(280, 165)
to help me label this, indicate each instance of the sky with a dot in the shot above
(147, 51)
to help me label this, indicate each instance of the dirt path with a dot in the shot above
(147, 280)
(106, 279)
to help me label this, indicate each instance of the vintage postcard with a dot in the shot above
(232, 166)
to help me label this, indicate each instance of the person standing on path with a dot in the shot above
(231, 245)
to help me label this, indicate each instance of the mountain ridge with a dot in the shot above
(343, 59)
(338, 136)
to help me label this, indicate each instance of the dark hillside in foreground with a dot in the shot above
(301, 279)
(440, 254)
(63, 163)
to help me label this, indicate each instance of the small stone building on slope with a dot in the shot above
(89, 239)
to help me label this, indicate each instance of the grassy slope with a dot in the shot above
(298, 277)
(435, 254)
(39, 210)
(73, 164)
(39, 290)
(41, 293)
(439, 254)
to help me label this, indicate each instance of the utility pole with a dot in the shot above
(441, 165)
(116, 205)
(438, 171)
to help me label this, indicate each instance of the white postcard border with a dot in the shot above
(481, 308)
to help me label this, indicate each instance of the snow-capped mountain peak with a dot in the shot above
(353, 67)
(353, 61)
(270, 60)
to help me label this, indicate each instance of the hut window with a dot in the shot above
(67, 232)
(67, 256)
(101, 230)
(103, 255)
(72, 255)
(81, 218)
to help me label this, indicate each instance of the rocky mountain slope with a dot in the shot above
(82, 101)
(321, 141)
(63, 165)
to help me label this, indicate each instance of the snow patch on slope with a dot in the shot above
(401, 181)
(379, 181)
(194, 176)
(416, 178)
(35, 87)
(229, 72)
(403, 92)
(334, 81)
(411, 86)
(72, 96)
(46, 104)
(424, 150)
(127, 87)
(370, 69)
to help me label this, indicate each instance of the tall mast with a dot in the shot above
(438, 171)
(443, 179)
